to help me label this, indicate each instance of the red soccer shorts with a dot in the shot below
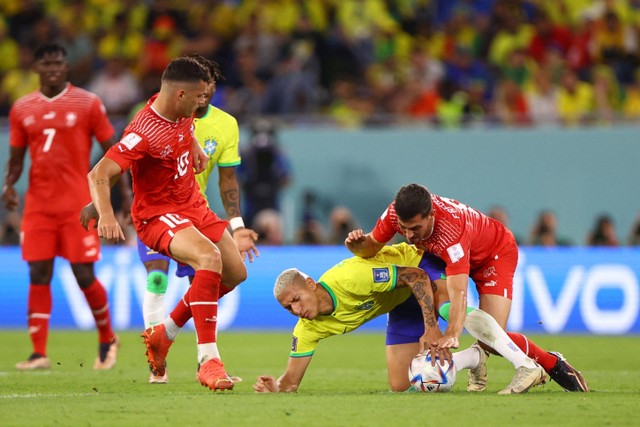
(496, 276)
(46, 235)
(158, 231)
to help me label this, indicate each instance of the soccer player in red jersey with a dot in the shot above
(471, 245)
(57, 124)
(170, 214)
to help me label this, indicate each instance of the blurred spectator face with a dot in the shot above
(570, 81)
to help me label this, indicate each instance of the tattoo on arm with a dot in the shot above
(419, 282)
(100, 181)
(231, 202)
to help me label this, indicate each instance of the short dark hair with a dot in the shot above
(47, 48)
(212, 66)
(186, 69)
(411, 200)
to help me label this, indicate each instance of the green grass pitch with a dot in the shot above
(344, 386)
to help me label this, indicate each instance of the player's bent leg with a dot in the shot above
(399, 357)
(157, 282)
(497, 306)
(234, 269)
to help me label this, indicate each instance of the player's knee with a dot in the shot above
(209, 260)
(399, 384)
(235, 276)
(84, 274)
(40, 273)
(157, 282)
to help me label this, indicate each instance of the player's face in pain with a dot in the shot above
(301, 299)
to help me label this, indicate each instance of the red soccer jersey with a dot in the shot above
(58, 132)
(462, 237)
(158, 152)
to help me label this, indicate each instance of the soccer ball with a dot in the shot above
(431, 379)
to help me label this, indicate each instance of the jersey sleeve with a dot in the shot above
(129, 149)
(384, 229)
(101, 127)
(230, 155)
(457, 256)
(306, 336)
(17, 134)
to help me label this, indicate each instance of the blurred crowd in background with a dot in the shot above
(350, 62)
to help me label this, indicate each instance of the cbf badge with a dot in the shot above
(380, 275)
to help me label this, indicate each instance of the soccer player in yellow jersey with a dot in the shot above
(357, 290)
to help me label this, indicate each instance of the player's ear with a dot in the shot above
(311, 283)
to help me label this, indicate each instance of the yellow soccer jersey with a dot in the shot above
(361, 289)
(217, 132)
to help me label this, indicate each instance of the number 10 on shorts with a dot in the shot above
(172, 220)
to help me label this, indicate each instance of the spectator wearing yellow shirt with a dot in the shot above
(515, 35)
(631, 104)
(19, 81)
(575, 100)
(8, 49)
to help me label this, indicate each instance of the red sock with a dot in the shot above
(182, 311)
(223, 290)
(98, 302)
(203, 299)
(544, 358)
(38, 314)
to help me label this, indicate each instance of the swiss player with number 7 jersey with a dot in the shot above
(471, 245)
(57, 123)
(169, 213)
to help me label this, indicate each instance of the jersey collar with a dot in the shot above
(332, 295)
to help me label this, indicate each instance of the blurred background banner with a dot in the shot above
(556, 290)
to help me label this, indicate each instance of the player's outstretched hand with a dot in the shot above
(430, 344)
(446, 341)
(266, 384)
(10, 197)
(88, 214)
(354, 237)
(245, 239)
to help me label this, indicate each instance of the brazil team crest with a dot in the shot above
(210, 146)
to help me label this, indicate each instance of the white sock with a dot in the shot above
(171, 328)
(484, 328)
(152, 309)
(207, 351)
(466, 359)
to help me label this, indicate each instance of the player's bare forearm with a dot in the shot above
(101, 178)
(229, 192)
(457, 289)
(292, 377)
(15, 166)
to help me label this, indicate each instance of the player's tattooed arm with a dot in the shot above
(422, 289)
(100, 181)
